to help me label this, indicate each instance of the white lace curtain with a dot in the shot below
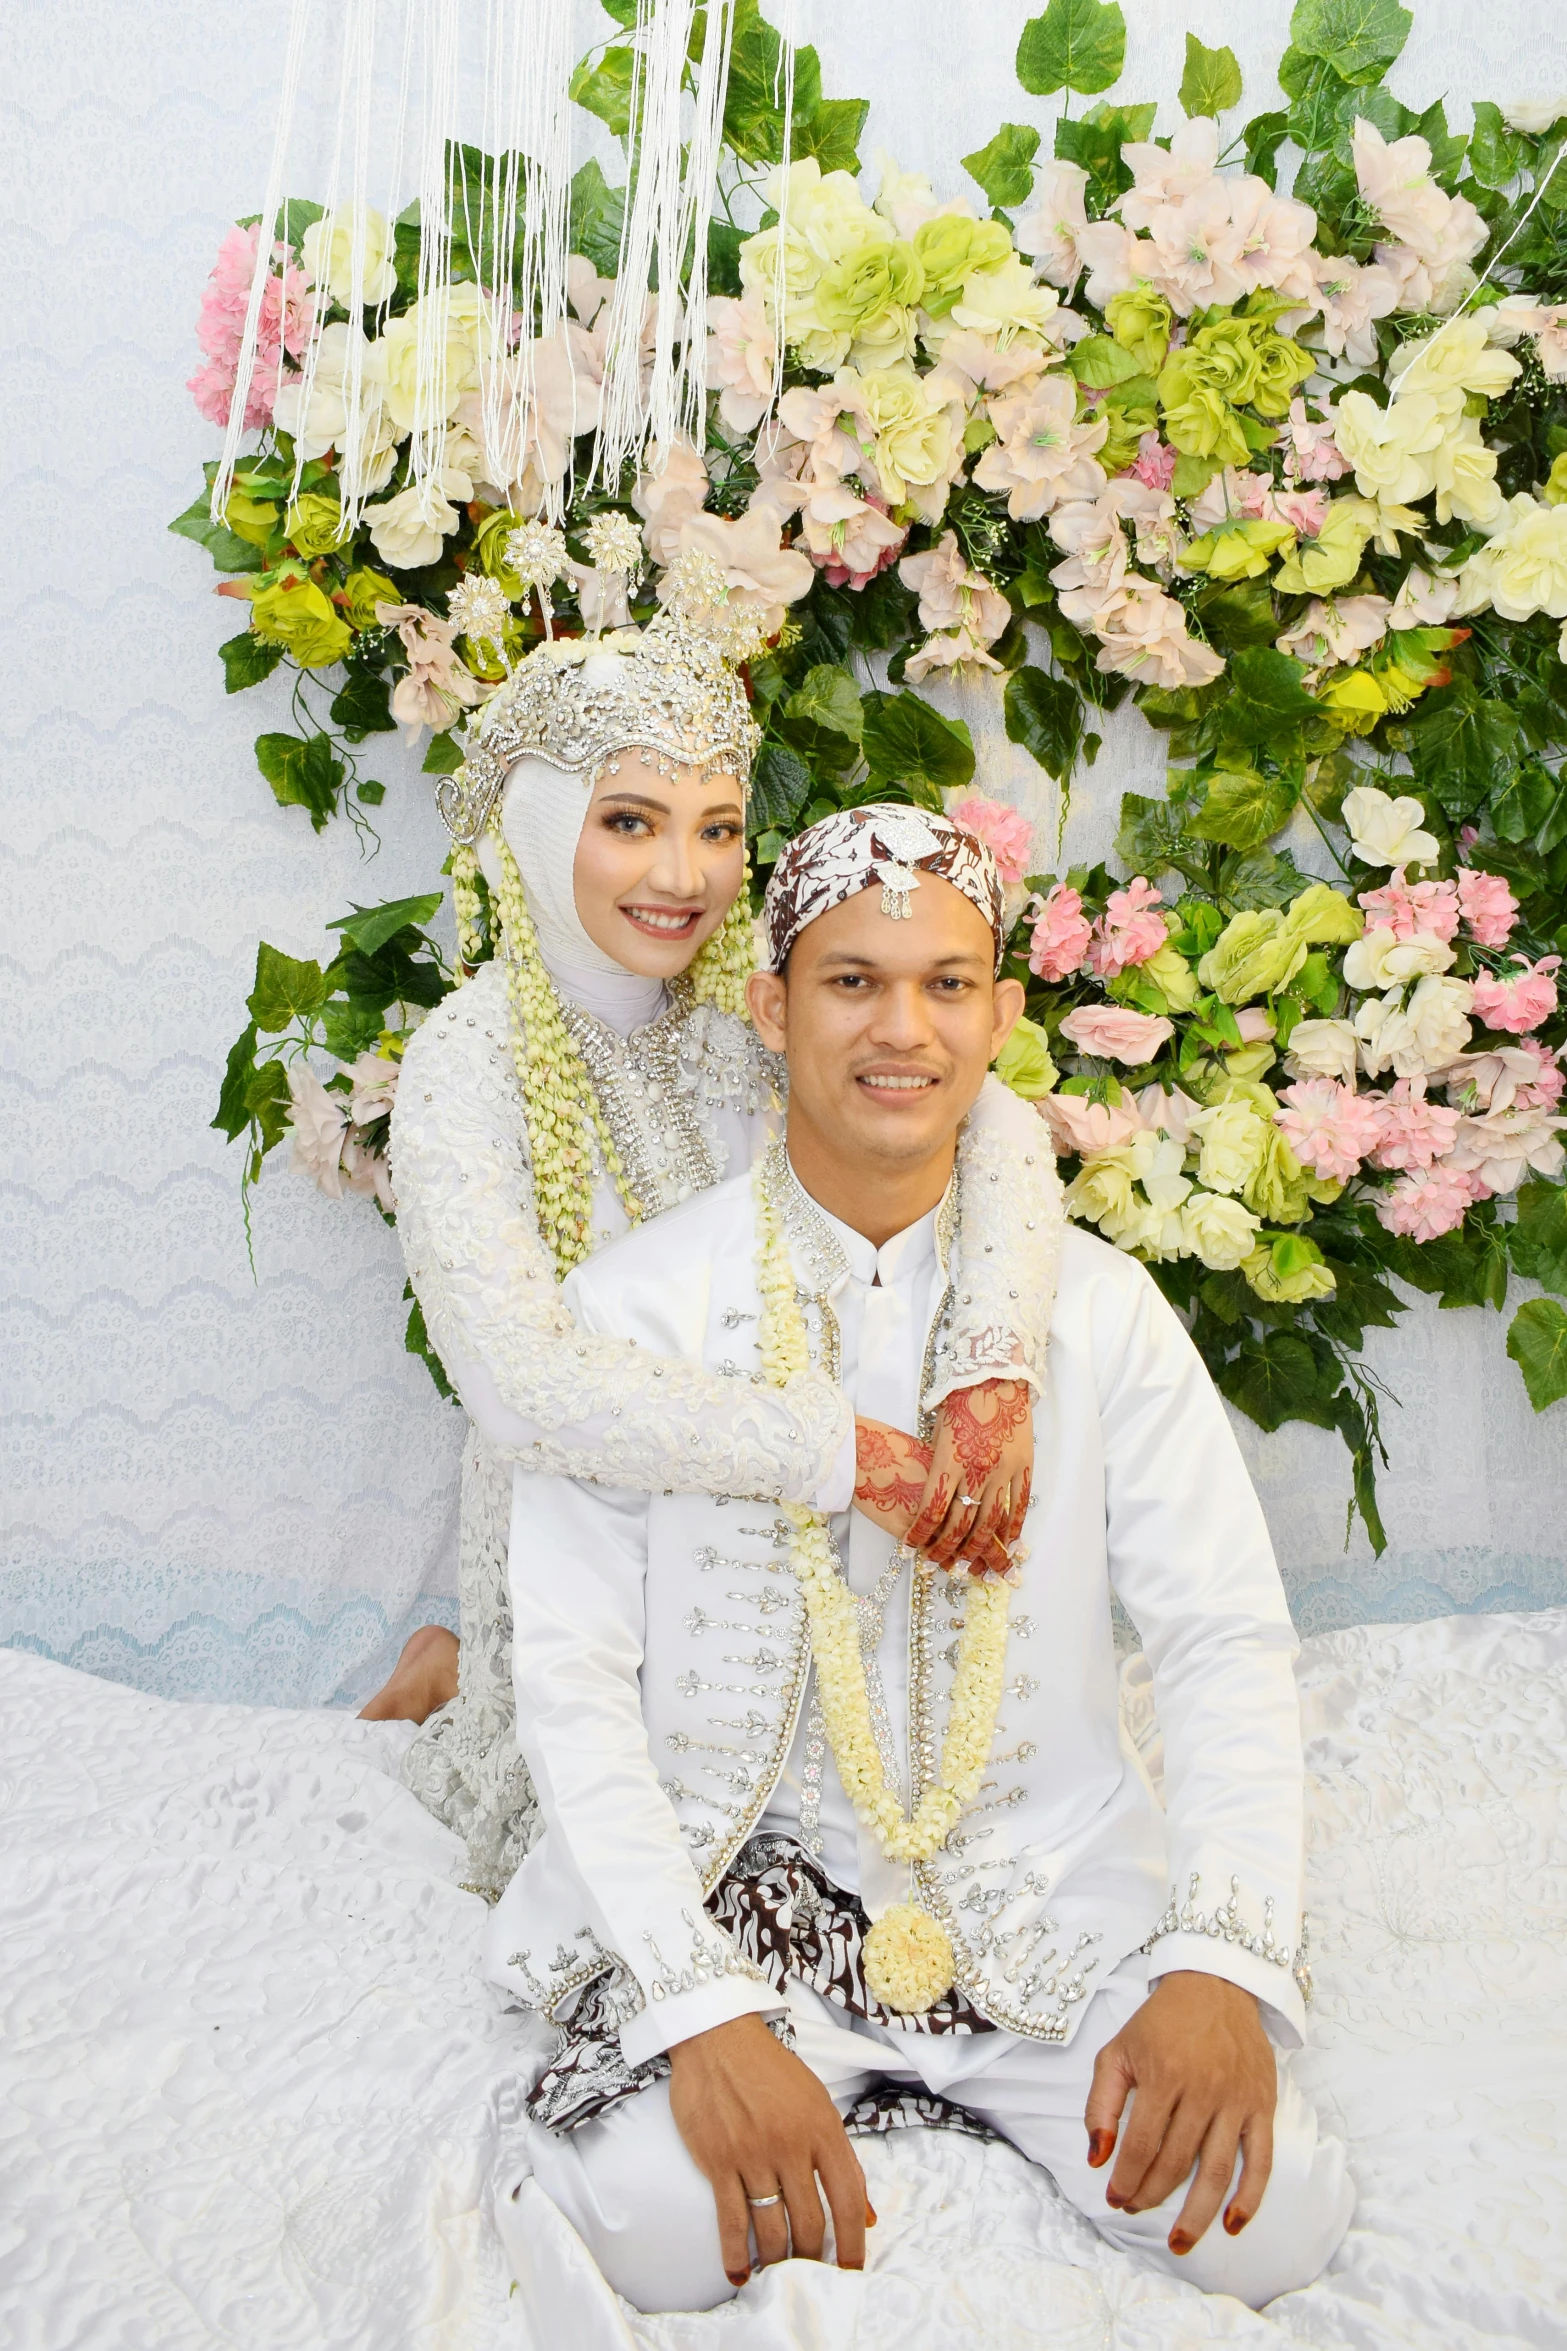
(222, 1485)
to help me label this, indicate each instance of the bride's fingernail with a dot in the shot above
(1100, 2144)
(738, 2277)
(870, 2217)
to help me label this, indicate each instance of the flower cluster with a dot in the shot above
(1274, 448)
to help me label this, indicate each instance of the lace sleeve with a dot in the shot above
(547, 1395)
(1005, 1278)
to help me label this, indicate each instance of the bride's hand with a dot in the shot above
(891, 1470)
(981, 1471)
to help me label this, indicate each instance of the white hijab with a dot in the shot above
(542, 814)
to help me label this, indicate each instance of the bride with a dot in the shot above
(598, 1070)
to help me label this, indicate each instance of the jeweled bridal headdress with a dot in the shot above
(674, 696)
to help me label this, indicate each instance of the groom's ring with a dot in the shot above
(760, 2203)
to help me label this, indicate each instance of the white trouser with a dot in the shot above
(634, 2196)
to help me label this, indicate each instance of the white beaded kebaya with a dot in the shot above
(908, 1955)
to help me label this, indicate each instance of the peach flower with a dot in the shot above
(1112, 1033)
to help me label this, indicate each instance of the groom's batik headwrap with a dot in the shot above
(889, 843)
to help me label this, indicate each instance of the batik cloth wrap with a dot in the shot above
(886, 842)
(789, 1919)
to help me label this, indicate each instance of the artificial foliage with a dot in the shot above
(1256, 421)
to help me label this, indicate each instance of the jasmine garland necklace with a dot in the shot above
(908, 1954)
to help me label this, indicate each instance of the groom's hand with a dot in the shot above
(757, 2122)
(1207, 2084)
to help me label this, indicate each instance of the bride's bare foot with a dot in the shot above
(424, 1677)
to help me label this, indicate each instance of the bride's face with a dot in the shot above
(659, 863)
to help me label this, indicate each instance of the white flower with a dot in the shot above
(1393, 449)
(318, 1123)
(951, 594)
(1340, 629)
(1506, 1145)
(1322, 1049)
(1351, 298)
(457, 324)
(1041, 455)
(1459, 357)
(672, 490)
(1426, 1034)
(955, 649)
(760, 575)
(375, 1087)
(1423, 602)
(905, 198)
(1523, 568)
(1218, 1230)
(1233, 1139)
(1387, 832)
(409, 531)
(1381, 959)
(327, 250)
(1534, 115)
(741, 352)
(1004, 303)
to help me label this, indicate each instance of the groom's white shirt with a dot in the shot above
(661, 1664)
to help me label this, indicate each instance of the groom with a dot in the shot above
(701, 1915)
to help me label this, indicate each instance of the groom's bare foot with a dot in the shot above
(424, 1677)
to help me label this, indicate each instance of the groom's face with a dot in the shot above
(888, 1026)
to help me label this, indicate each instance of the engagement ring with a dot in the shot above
(760, 2203)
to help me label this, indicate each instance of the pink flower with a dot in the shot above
(1304, 510)
(318, 1125)
(1328, 1126)
(437, 686)
(1424, 1206)
(1311, 453)
(1005, 831)
(851, 539)
(1500, 1149)
(1059, 943)
(1525, 1076)
(1520, 1003)
(1111, 1033)
(287, 313)
(952, 595)
(1155, 463)
(1076, 1124)
(1488, 906)
(1129, 932)
(1407, 907)
(1414, 1132)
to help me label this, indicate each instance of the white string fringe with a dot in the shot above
(513, 216)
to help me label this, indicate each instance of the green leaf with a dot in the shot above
(416, 1340)
(828, 697)
(1100, 361)
(303, 773)
(907, 742)
(285, 990)
(1361, 1298)
(1239, 615)
(247, 659)
(753, 112)
(1262, 877)
(349, 1028)
(1045, 715)
(369, 927)
(1076, 45)
(1268, 705)
(780, 786)
(267, 1105)
(1521, 799)
(1212, 80)
(363, 707)
(1243, 809)
(624, 12)
(1276, 1379)
(1537, 1242)
(228, 550)
(1148, 834)
(1095, 141)
(1358, 38)
(831, 132)
(444, 756)
(598, 214)
(1264, 135)
(1537, 1343)
(1004, 166)
(233, 1115)
(1462, 747)
(604, 89)
(1496, 154)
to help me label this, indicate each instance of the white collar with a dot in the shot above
(900, 1259)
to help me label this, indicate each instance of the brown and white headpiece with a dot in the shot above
(888, 843)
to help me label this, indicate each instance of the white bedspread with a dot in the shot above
(251, 2086)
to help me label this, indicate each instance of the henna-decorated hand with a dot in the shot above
(984, 1451)
(890, 1474)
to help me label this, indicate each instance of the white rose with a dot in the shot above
(1218, 1230)
(329, 259)
(1233, 1140)
(1427, 1033)
(459, 330)
(1534, 115)
(1383, 960)
(408, 531)
(1322, 1049)
(1387, 832)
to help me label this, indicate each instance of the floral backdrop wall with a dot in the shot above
(1258, 421)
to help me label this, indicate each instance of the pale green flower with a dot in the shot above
(1285, 1269)
(1024, 1062)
